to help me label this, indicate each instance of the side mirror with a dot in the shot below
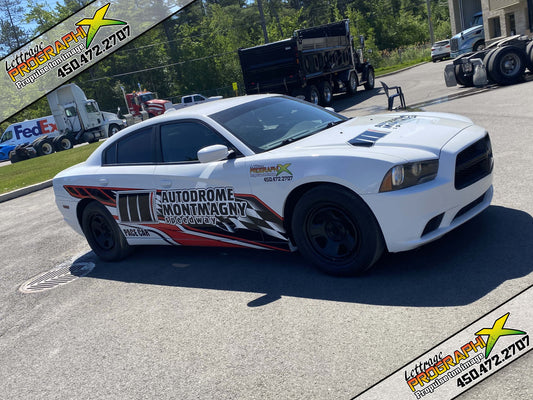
(212, 153)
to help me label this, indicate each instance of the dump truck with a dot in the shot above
(313, 64)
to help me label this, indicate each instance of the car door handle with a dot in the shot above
(103, 181)
(166, 183)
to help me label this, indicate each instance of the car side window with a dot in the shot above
(136, 148)
(181, 141)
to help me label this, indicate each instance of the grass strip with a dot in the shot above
(40, 169)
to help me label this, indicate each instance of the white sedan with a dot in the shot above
(272, 172)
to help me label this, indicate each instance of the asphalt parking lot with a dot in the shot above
(184, 323)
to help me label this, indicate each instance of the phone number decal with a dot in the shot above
(495, 361)
(95, 51)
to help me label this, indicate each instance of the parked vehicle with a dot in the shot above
(146, 101)
(503, 62)
(471, 39)
(75, 119)
(193, 99)
(440, 50)
(313, 64)
(273, 172)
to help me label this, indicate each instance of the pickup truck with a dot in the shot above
(193, 99)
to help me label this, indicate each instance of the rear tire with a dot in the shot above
(312, 95)
(507, 65)
(62, 143)
(336, 231)
(103, 234)
(326, 94)
(44, 148)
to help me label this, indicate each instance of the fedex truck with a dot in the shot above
(74, 120)
(42, 133)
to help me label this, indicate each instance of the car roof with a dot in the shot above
(212, 107)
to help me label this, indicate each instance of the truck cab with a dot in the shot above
(471, 39)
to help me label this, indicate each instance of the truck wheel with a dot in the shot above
(103, 234)
(479, 46)
(113, 128)
(486, 61)
(44, 148)
(369, 85)
(529, 56)
(352, 83)
(507, 65)
(13, 157)
(326, 94)
(462, 79)
(62, 143)
(312, 95)
(336, 231)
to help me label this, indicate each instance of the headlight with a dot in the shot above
(410, 174)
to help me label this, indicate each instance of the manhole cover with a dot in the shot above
(64, 273)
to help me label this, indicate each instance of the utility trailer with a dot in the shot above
(314, 63)
(503, 62)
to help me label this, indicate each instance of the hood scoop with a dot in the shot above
(367, 138)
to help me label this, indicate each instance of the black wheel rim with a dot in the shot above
(332, 234)
(101, 232)
(510, 64)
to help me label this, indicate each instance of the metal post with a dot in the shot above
(431, 35)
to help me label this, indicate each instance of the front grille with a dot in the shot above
(454, 45)
(473, 163)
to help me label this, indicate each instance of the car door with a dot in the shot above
(202, 204)
(124, 183)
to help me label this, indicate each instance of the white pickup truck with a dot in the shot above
(193, 99)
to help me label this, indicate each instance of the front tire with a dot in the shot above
(352, 83)
(370, 79)
(103, 234)
(336, 231)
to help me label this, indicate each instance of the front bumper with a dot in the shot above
(412, 217)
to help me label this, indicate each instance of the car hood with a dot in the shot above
(379, 133)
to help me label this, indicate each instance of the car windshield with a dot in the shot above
(271, 122)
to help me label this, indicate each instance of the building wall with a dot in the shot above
(502, 14)
(505, 11)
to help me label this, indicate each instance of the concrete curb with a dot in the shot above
(403, 69)
(24, 191)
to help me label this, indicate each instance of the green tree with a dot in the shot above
(12, 36)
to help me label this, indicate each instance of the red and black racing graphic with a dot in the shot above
(213, 216)
(103, 195)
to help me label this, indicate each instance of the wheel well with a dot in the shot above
(300, 191)
(80, 208)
